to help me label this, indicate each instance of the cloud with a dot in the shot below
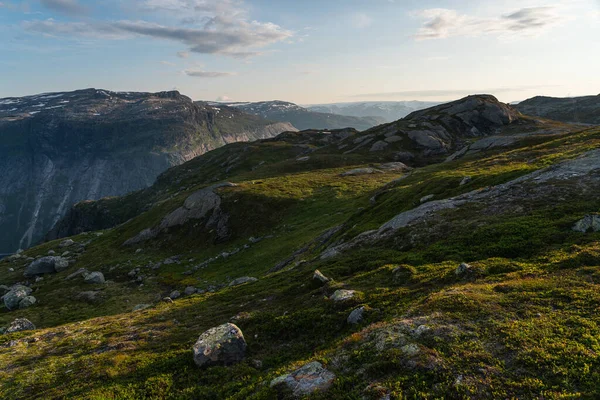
(224, 98)
(69, 7)
(207, 74)
(448, 93)
(361, 20)
(223, 28)
(444, 23)
(168, 63)
(183, 54)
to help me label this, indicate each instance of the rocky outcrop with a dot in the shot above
(205, 204)
(308, 379)
(224, 345)
(585, 110)
(61, 148)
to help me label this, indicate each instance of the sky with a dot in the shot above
(304, 51)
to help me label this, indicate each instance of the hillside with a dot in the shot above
(60, 148)
(388, 111)
(459, 260)
(303, 118)
(584, 110)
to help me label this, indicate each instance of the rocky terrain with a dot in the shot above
(583, 110)
(303, 118)
(387, 110)
(60, 148)
(450, 254)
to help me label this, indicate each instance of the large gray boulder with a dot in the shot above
(46, 265)
(94, 278)
(224, 344)
(27, 302)
(309, 378)
(20, 324)
(15, 295)
(588, 223)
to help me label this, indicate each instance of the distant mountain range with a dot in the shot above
(60, 148)
(387, 110)
(303, 118)
(585, 110)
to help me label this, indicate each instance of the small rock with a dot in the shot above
(224, 344)
(27, 302)
(95, 277)
(320, 277)
(38, 279)
(425, 199)
(465, 180)
(89, 296)
(305, 158)
(20, 324)
(189, 290)
(361, 171)
(175, 294)
(167, 300)
(51, 252)
(80, 271)
(66, 243)
(410, 349)
(138, 251)
(308, 379)
(341, 295)
(589, 223)
(463, 269)
(356, 316)
(65, 253)
(141, 307)
(242, 280)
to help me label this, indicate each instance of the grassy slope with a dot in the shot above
(525, 326)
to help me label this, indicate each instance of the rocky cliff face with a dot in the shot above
(60, 148)
(584, 110)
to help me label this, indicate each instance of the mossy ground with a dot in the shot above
(523, 324)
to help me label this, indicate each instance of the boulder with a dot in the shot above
(242, 280)
(27, 302)
(318, 276)
(224, 344)
(80, 271)
(378, 146)
(308, 379)
(356, 316)
(341, 295)
(15, 295)
(589, 223)
(66, 243)
(463, 268)
(190, 290)
(175, 294)
(46, 265)
(94, 278)
(465, 180)
(141, 307)
(20, 324)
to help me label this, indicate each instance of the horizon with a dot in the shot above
(343, 51)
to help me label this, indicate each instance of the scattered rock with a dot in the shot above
(589, 223)
(89, 296)
(403, 273)
(361, 171)
(20, 324)
(94, 278)
(15, 295)
(341, 295)
(465, 180)
(27, 302)
(356, 316)
(175, 294)
(308, 379)
(46, 265)
(141, 307)
(190, 290)
(80, 271)
(51, 252)
(306, 158)
(463, 269)
(318, 276)
(379, 146)
(394, 166)
(224, 344)
(138, 251)
(242, 280)
(427, 198)
(66, 243)
(167, 300)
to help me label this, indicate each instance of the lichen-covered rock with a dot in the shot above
(242, 280)
(224, 344)
(46, 265)
(94, 278)
(20, 324)
(15, 295)
(463, 268)
(308, 379)
(27, 302)
(588, 223)
(343, 295)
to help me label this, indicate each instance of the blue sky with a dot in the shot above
(303, 51)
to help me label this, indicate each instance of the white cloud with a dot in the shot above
(443, 23)
(168, 63)
(224, 98)
(207, 74)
